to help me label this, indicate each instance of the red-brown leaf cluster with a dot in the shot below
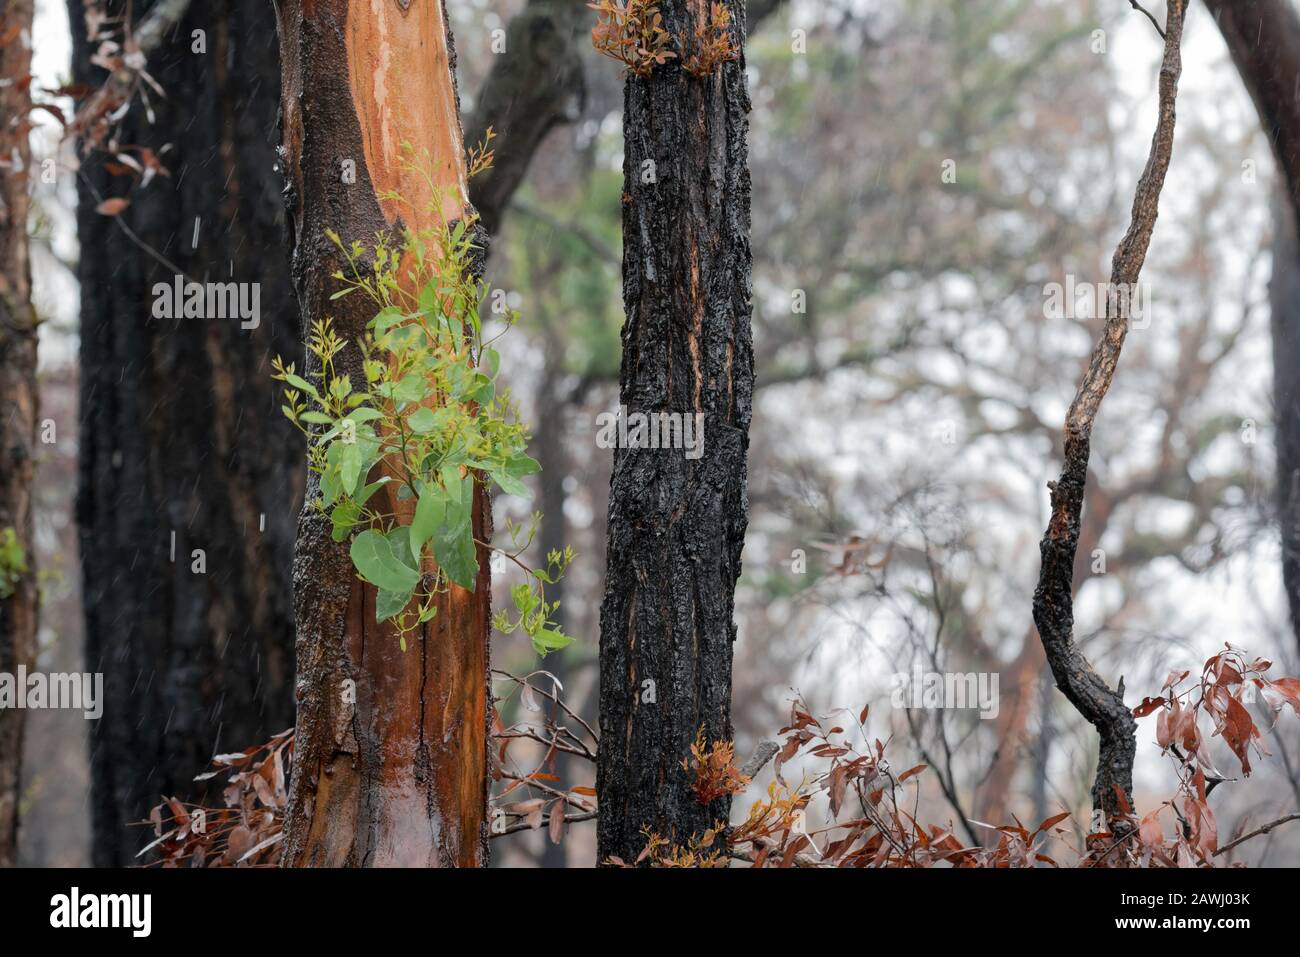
(245, 832)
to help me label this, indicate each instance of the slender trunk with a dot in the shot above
(18, 405)
(391, 751)
(677, 523)
(181, 433)
(1053, 606)
(1263, 37)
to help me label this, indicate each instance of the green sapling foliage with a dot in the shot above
(427, 423)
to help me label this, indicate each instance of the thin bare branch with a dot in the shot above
(1053, 598)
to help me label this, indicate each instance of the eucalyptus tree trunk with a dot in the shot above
(390, 767)
(18, 405)
(677, 521)
(188, 471)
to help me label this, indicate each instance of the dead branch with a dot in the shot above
(1143, 10)
(1053, 598)
(765, 752)
(1257, 832)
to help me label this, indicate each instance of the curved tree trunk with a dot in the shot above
(1053, 606)
(390, 767)
(180, 425)
(18, 406)
(677, 524)
(1263, 37)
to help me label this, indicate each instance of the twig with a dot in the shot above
(1257, 832)
(523, 683)
(1154, 22)
(553, 792)
(525, 826)
(765, 751)
(523, 731)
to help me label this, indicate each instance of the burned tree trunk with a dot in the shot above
(1054, 599)
(677, 520)
(18, 404)
(390, 766)
(188, 471)
(1263, 37)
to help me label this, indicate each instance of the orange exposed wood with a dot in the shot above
(399, 66)
(394, 772)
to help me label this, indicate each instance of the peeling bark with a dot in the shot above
(18, 403)
(393, 773)
(676, 525)
(1053, 598)
(1263, 37)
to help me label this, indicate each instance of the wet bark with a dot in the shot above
(1103, 707)
(391, 749)
(180, 427)
(1263, 37)
(676, 525)
(18, 407)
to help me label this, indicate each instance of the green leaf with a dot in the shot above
(302, 385)
(330, 487)
(520, 464)
(343, 517)
(429, 304)
(390, 603)
(399, 540)
(422, 420)
(388, 317)
(372, 554)
(525, 599)
(484, 390)
(410, 388)
(430, 513)
(509, 484)
(364, 495)
(349, 464)
(547, 639)
(319, 418)
(453, 545)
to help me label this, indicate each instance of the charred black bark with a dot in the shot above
(180, 426)
(677, 524)
(1263, 37)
